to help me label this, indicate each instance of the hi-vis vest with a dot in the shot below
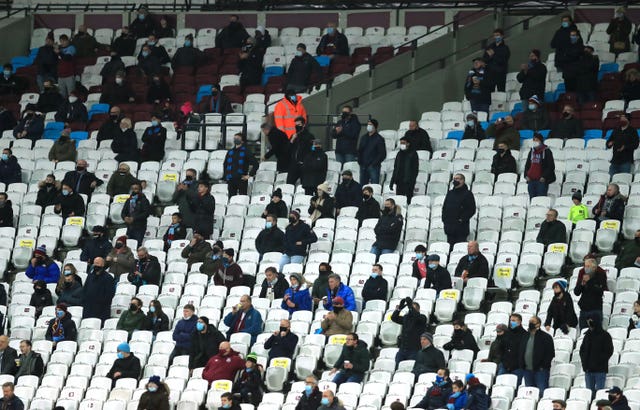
(285, 114)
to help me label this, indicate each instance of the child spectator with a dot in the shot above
(458, 398)
(578, 211)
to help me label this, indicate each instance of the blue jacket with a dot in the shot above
(252, 323)
(345, 293)
(47, 271)
(458, 402)
(372, 150)
(295, 233)
(302, 299)
(183, 330)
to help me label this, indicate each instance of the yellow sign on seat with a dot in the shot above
(27, 243)
(504, 272)
(280, 362)
(337, 339)
(558, 248)
(170, 177)
(121, 199)
(449, 294)
(75, 220)
(222, 385)
(610, 224)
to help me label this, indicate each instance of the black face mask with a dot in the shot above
(500, 151)
(565, 115)
(119, 245)
(80, 169)
(532, 326)
(345, 115)
(365, 196)
(284, 329)
(338, 309)
(49, 185)
(114, 117)
(612, 397)
(456, 182)
(299, 128)
(292, 220)
(189, 177)
(133, 307)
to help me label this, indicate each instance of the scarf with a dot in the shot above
(171, 233)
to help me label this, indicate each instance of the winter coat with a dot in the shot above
(46, 270)
(49, 100)
(298, 232)
(341, 325)
(320, 285)
(552, 232)
(347, 139)
(627, 138)
(6, 214)
(158, 400)
(40, 299)
(372, 150)
(457, 210)
(535, 120)
(72, 112)
(335, 405)
(335, 44)
(14, 403)
(543, 351)
(149, 65)
(182, 332)
(120, 184)
(314, 168)
(47, 61)
(203, 208)
(196, 253)
(60, 329)
(428, 360)
(596, 350)
(129, 367)
(477, 398)
(303, 143)
(239, 162)
(228, 275)
(223, 367)
(567, 128)
(326, 209)
(131, 321)
(125, 144)
(479, 93)
(357, 355)
(414, 324)
(10, 171)
(140, 212)
(301, 70)
(153, 141)
(375, 289)
(150, 272)
(140, 28)
(81, 182)
(461, 340)
(115, 94)
(503, 164)
(270, 240)
(94, 248)
(72, 295)
(47, 196)
(9, 357)
(7, 120)
(343, 291)
(477, 267)
(182, 198)
(368, 209)
(348, 194)
(628, 254)
(98, 293)
(438, 278)
(249, 382)
(279, 289)
(405, 169)
(30, 365)
(437, 396)
(533, 80)
(511, 348)
(32, 124)
(281, 346)
(204, 346)
(616, 209)
(250, 68)
(586, 73)
(418, 140)
(231, 36)
(187, 57)
(252, 323)
(279, 146)
(388, 229)
(591, 295)
(63, 150)
(561, 42)
(561, 312)
(474, 133)
(217, 103)
(174, 232)
(619, 31)
(120, 263)
(156, 322)
(504, 134)
(111, 68)
(310, 402)
(499, 61)
(301, 297)
(547, 164)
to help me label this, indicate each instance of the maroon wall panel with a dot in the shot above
(467, 16)
(218, 20)
(423, 18)
(593, 16)
(368, 19)
(300, 20)
(96, 21)
(54, 21)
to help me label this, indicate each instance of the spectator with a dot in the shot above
(244, 318)
(133, 318)
(591, 266)
(282, 343)
(144, 25)
(72, 110)
(330, 401)
(540, 168)
(64, 149)
(156, 320)
(619, 30)
(629, 255)
(438, 394)
(473, 129)
(349, 192)
(314, 169)
(503, 130)
(418, 138)
(164, 31)
(182, 332)
(560, 310)
(338, 321)
(302, 142)
(203, 206)
(278, 146)
(595, 351)
(218, 103)
(388, 229)
(175, 232)
(8, 356)
(205, 342)
(213, 260)
(322, 205)
(248, 384)
(303, 70)
(230, 273)
(559, 404)
(197, 249)
(125, 143)
(561, 41)
(477, 397)
(586, 74)
(147, 270)
(623, 142)
(112, 67)
(497, 56)
(429, 359)
(50, 99)
(48, 191)
(462, 338)
(9, 83)
(250, 64)
(535, 355)
(10, 169)
(120, 260)
(479, 85)
(99, 289)
(333, 43)
(239, 166)
(437, 277)
(375, 287)
(81, 180)
(413, 325)
(157, 51)
(46, 62)
(135, 212)
(62, 327)
(187, 55)
(631, 87)
(66, 53)
(42, 267)
(338, 289)
(126, 366)
(310, 400)
(458, 398)
(159, 91)
(473, 264)
(233, 35)
(118, 91)
(69, 289)
(371, 152)
(405, 170)
(297, 296)
(185, 191)
(277, 207)
(420, 262)
(503, 161)
(346, 133)
(156, 395)
(120, 181)
(591, 291)
(353, 361)
(125, 44)
(571, 68)
(617, 400)
(153, 141)
(98, 246)
(497, 347)
(457, 210)
(297, 238)
(579, 211)
(148, 62)
(41, 297)
(369, 208)
(552, 230)
(263, 38)
(535, 117)
(532, 76)
(10, 400)
(321, 284)
(6, 211)
(274, 285)
(29, 362)
(611, 205)
(31, 126)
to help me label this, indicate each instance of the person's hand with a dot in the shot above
(524, 67)
(338, 129)
(542, 180)
(34, 261)
(137, 273)
(283, 334)
(157, 101)
(603, 213)
(244, 56)
(547, 327)
(638, 259)
(234, 308)
(57, 207)
(262, 159)
(72, 214)
(317, 300)
(276, 333)
(331, 315)
(290, 303)
(621, 148)
(285, 297)
(293, 137)
(93, 184)
(193, 242)
(332, 371)
(109, 258)
(117, 374)
(245, 177)
(490, 52)
(484, 360)
(348, 366)
(609, 144)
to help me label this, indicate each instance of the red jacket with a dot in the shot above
(223, 367)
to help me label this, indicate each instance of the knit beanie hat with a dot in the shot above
(41, 251)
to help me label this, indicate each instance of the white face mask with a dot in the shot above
(532, 107)
(471, 123)
(536, 144)
(118, 81)
(73, 99)
(298, 53)
(370, 128)
(403, 147)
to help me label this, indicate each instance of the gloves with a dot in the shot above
(58, 338)
(450, 406)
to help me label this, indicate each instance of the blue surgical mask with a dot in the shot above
(60, 313)
(313, 148)
(120, 355)
(308, 390)
(215, 257)
(472, 258)
(67, 272)
(498, 39)
(226, 406)
(145, 54)
(65, 192)
(374, 275)
(249, 369)
(532, 107)
(268, 225)
(154, 123)
(330, 30)
(141, 16)
(152, 389)
(7, 73)
(324, 401)
(419, 256)
(152, 309)
(574, 39)
(513, 324)
(151, 43)
(225, 259)
(432, 266)
(187, 43)
(294, 98)
(5, 157)
(471, 123)
(298, 53)
(439, 379)
(200, 326)
(565, 24)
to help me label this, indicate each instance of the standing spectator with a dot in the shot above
(250, 64)
(182, 332)
(175, 232)
(348, 193)
(46, 62)
(629, 255)
(10, 169)
(579, 211)
(165, 30)
(143, 25)
(535, 117)
(50, 99)
(429, 359)
(244, 318)
(346, 133)
(353, 361)
(62, 327)
(369, 208)
(473, 264)
(536, 353)
(118, 90)
(533, 77)
(135, 212)
(310, 400)
(388, 229)
(41, 297)
(156, 395)
(568, 126)
(375, 287)
(69, 289)
(511, 351)
(85, 44)
(314, 168)
(540, 168)
(297, 238)
(98, 246)
(611, 205)
(31, 126)
(120, 181)
(156, 320)
(595, 351)
(586, 74)
(278, 146)
(147, 270)
(303, 70)
(462, 338)
(203, 206)
(229, 272)
(271, 238)
(321, 205)
(125, 143)
(64, 149)
(413, 325)
(479, 85)
(233, 35)
(437, 277)
(126, 366)
(282, 343)
(99, 289)
(337, 289)
(212, 263)
(591, 293)
(631, 87)
(133, 318)
(30, 363)
(112, 67)
(457, 210)
(187, 55)
(68, 203)
(338, 321)
(497, 56)
(371, 152)
(560, 309)
(42, 267)
(497, 347)
(438, 394)
(405, 170)
(473, 129)
(239, 166)
(11, 84)
(302, 142)
(297, 296)
(571, 61)
(153, 141)
(66, 53)
(552, 230)
(333, 43)
(218, 103)
(186, 190)
(619, 30)
(120, 260)
(419, 265)
(81, 180)
(561, 41)
(274, 284)
(503, 161)
(9, 400)
(6, 211)
(623, 142)
(503, 130)
(418, 138)
(263, 38)
(205, 343)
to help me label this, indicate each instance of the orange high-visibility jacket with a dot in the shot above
(285, 114)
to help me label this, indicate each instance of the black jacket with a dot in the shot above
(68, 331)
(596, 349)
(419, 140)
(548, 165)
(153, 141)
(301, 146)
(375, 289)
(348, 194)
(533, 80)
(347, 139)
(129, 367)
(457, 210)
(327, 209)
(428, 360)
(155, 323)
(586, 73)
(158, 92)
(109, 129)
(125, 45)
(6, 214)
(535, 120)
(368, 209)
(405, 169)
(301, 70)
(333, 44)
(270, 240)
(98, 293)
(33, 124)
(561, 42)
(543, 350)
(125, 144)
(503, 164)
(314, 168)
(279, 146)
(71, 203)
(438, 278)
(150, 271)
(81, 182)
(474, 133)
(8, 362)
(567, 128)
(114, 94)
(590, 295)
(552, 232)
(278, 289)
(204, 346)
(300, 232)
(461, 340)
(311, 402)
(477, 398)
(477, 267)
(187, 57)
(615, 211)
(437, 396)
(628, 139)
(372, 150)
(239, 162)
(481, 93)
(10, 171)
(413, 324)
(232, 36)
(142, 28)
(388, 229)
(7, 120)
(511, 348)
(47, 61)
(140, 212)
(499, 61)
(279, 209)
(47, 196)
(49, 100)
(281, 346)
(251, 67)
(218, 103)
(111, 68)
(72, 112)
(95, 247)
(203, 208)
(561, 312)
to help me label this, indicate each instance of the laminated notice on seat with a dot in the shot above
(449, 294)
(280, 362)
(222, 385)
(338, 339)
(79, 221)
(504, 272)
(120, 199)
(610, 224)
(170, 177)
(27, 243)
(558, 248)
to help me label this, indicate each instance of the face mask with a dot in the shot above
(283, 329)
(73, 99)
(60, 313)
(574, 39)
(119, 245)
(7, 73)
(370, 128)
(154, 123)
(324, 401)
(268, 225)
(120, 355)
(80, 169)
(345, 115)
(152, 389)
(403, 147)
(313, 148)
(151, 43)
(298, 53)
(565, 24)
(308, 390)
(432, 266)
(498, 39)
(226, 406)
(536, 144)
(292, 220)
(145, 54)
(119, 81)
(456, 182)
(299, 128)
(500, 151)
(200, 326)
(471, 123)
(249, 369)
(472, 258)
(152, 309)
(67, 272)
(225, 260)
(365, 197)
(141, 16)
(419, 256)
(133, 307)
(374, 275)
(532, 107)
(439, 379)
(65, 192)
(293, 98)
(5, 157)
(513, 324)
(612, 397)
(237, 141)
(215, 257)
(338, 309)
(532, 327)
(187, 43)
(330, 30)
(588, 270)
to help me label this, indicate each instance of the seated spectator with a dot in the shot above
(623, 141)
(98, 246)
(9, 356)
(187, 55)
(85, 44)
(62, 327)
(568, 126)
(223, 365)
(135, 212)
(156, 320)
(112, 68)
(473, 129)
(29, 363)
(72, 110)
(30, 126)
(233, 35)
(125, 143)
(119, 91)
(313, 172)
(213, 260)
(205, 342)
(111, 126)
(477, 397)
(330, 401)
(388, 229)
(6, 211)
(535, 117)
(297, 238)
(413, 325)
(157, 51)
(10, 170)
(438, 394)
(297, 296)
(560, 309)
(69, 289)
(183, 331)
(629, 255)
(120, 260)
(322, 205)
(353, 361)
(133, 318)
(263, 38)
(248, 384)
(156, 395)
(229, 273)
(250, 64)
(41, 297)
(149, 63)
(42, 267)
(121, 180)
(321, 284)
(339, 321)
(631, 87)
(68, 203)
(503, 161)
(274, 284)
(99, 289)
(244, 318)
(271, 238)
(197, 250)
(429, 358)
(369, 208)
(417, 137)
(458, 397)
(153, 141)
(7, 119)
(579, 211)
(217, 103)
(158, 91)
(302, 70)
(338, 289)
(419, 265)
(147, 270)
(311, 397)
(50, 98)
(437, 276)
(64, 149)
(126, 366)
(81, 180)
(333, 43)
(503, 130)
(552, 230)
(473, 264)
(9, 400)
(48, 191)
(283, 342)
(348, 193)
(462, 338)
(375, 287)
(176, 231)
(11, 84)
(125, 44)
(634, 320)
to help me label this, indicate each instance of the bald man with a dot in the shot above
(81, 180)
(282, 342)
(224, 365)
(473, 264)
(8, 356)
